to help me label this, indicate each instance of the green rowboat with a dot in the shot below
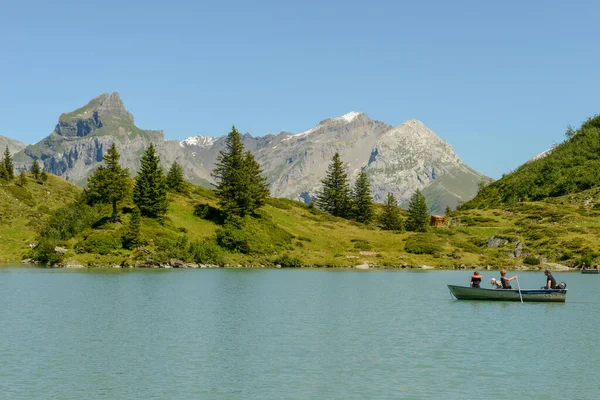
(470, 293)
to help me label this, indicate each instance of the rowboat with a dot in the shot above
(590, 271)
(470, 293)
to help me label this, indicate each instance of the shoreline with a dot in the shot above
(179, 264)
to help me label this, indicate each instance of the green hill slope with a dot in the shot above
(571, 167)
(289, 233)
(23, 211)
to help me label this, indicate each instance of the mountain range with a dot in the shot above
(397, 159)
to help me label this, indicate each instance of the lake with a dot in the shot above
(290, 334)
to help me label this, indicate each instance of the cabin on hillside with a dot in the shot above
(437, 220)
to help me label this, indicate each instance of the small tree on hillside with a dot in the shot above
(417, 213)
(43, 176)
(334, 197)
(35, 169)
(240, 185)
(8, 164)
(150, 190)
(390, 218)
(133, 237)
(22, 180)
(3, 172)
(109, 183)
(175, 181)
(362, 199)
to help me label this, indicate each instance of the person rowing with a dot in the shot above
(505, 280)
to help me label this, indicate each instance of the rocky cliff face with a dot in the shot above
(397, 159)
(81, 138)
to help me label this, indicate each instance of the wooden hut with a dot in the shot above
(437, 220)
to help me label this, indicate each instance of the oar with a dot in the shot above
(519, 287)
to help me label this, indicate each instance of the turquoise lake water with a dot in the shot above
(290, 334)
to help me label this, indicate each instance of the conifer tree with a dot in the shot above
(448, 210)
(362, 199)
(417, 213)
(334, 197)
(133, 237)
(8, 164)
(174, 179)
(258, 188)
(35, 169)
(240, 187)
(150, 190)
(22, 181)
(43, 176)
(3, 172)
(109, 183)
(390, 218)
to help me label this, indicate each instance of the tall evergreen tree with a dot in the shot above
(417, 213)
(150, 190)
(133, 237)
(362, 199)
(35, 169)
(240, 187)
(334, 197)
(8, 164)
(390, 218)
(109, 183)
(174, 179)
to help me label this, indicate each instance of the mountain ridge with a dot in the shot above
(398, 159)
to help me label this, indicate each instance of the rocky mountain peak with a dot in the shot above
(104, 110)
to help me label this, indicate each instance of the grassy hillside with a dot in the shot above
(572, 166)
(562, 230)
(24, 210)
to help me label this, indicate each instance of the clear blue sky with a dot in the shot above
(499, 81)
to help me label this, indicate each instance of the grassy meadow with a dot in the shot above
(561, 230)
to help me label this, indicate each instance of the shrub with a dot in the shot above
(531, 260)
(361, 244)
(44, 251)
(206, 252)
(415, 247)
(101, 242)
(287, 261)
(253, 235)
(71, 219)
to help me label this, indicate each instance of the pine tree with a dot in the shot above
(362, 199)
(390, 218)
(109, 183)
(448, 210)
(334, 197)
(35, 169)
(133, 237)
(150, 190)
(174, 179)
(3, 172)
(417, 213)
(8, 164)
(43, 176)
(22, 181)
(258, 188)
(240, 187)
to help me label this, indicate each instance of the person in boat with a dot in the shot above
(496, 284)
(476, 279)
(505, 281)
(550, 281)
